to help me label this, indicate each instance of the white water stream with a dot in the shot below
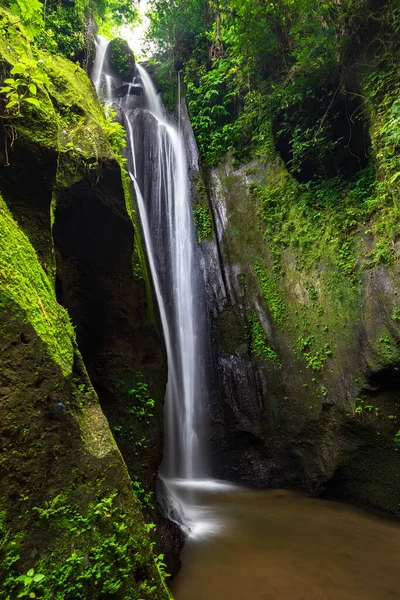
(159, 171)
(97, 72)
(184, 380)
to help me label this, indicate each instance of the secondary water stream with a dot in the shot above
(280, 545)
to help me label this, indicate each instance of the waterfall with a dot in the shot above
(158, 168)
(164, 205)
(97, 72)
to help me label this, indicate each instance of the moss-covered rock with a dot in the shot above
(316, 265)
(67, 122)
(69, 509)
(120, 60)
(27, 291)
(68, 116)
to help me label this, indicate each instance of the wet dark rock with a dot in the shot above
(56, 410)
(129, 90)
(266, 428)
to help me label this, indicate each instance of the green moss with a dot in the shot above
(318, 217)
(86, 532)
(271, 293)
(244, 231)
(201, 213)
(314, 357)
(27, 290)
(396, 313)
(388, 349)
(82, 125)
(258, 342)
(203, 221)
(281, 239)
(72, 121)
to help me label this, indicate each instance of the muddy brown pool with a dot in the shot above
(284, 546)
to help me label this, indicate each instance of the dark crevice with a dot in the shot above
(325, 135)
(386, 379)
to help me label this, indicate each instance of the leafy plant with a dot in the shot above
(144, 404)
(161, 566)
(203, 221)
(30, 14)
(396, 313)
(23, 89)
(271, 293)
(386, 346)
(145, 497)
(31, 581)
(258, 342)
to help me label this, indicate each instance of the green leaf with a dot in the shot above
(31, 572)
(3, 90)
(12, 103)
(33, 101)
(40, 78)
(21, 69)
(38, 577)
(32, 88)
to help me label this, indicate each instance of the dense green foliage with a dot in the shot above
(50, 100)
(68, 27)
(317, 84)
(121, 59)
(203, 221)
(253, 67)
(102, 564)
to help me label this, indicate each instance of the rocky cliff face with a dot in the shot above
(68, 510)
(302, 285)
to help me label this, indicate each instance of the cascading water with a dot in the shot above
(171, 221)
(158, 168)
(98, 67)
